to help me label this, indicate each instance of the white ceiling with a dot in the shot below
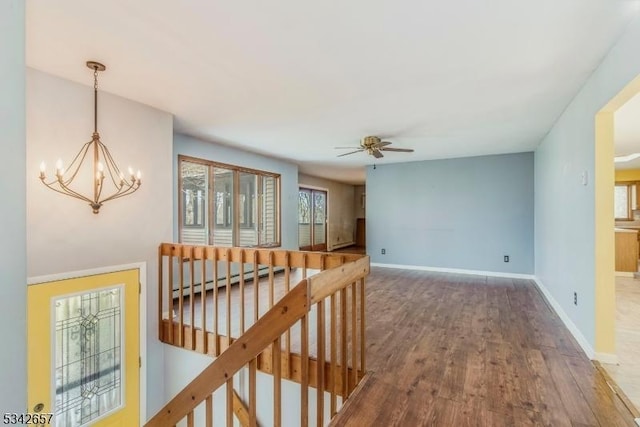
(295, 79)
(627, 132)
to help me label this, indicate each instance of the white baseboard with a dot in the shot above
(608, 358)
(456, 270)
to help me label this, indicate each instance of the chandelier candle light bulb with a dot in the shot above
(103, 165)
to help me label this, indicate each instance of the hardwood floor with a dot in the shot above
(627, 373)
(457, 350)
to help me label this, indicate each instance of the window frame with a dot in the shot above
(234, 204)
(182, 206)
(633, 192)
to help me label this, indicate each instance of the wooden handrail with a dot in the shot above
(328, 282)
(246, 348)
(278, 257)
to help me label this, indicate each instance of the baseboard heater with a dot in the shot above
(222, 281)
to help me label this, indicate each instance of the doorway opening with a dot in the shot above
(616, 246)
(312, 219)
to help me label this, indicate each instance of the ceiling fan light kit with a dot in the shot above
(373, 146)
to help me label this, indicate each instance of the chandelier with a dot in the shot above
(108, 182)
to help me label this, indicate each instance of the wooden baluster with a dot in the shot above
(228, 297)
(287, 337)
(209, 412)
(203, 301)
(160, 297)
(304, 265)
(170, 296)
(277, 382)
(343, 342)
(192, 295)
(256, 287)
(190, 419)
(271, 280)
(253, 368)
(230, 402)
(216, 304)
(241, 291)
(181, 297)
(321, 357)
(304, 371)
(363, 359)
(354, 336)
(334, 355)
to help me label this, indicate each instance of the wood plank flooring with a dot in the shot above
(627, 373)
(457, 350)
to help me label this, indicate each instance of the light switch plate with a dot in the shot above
(585, 178)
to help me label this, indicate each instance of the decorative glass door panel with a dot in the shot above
(312, 219)
(83, 337)
(88, 356)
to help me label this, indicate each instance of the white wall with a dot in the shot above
(340, 209)
(13, 278)
(194, 147)
(63, 233)
(564, 208)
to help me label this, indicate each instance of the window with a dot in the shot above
(227, 205)
(625, 200)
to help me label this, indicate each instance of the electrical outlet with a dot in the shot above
(575, 298)
(506, 258)
(383, 251)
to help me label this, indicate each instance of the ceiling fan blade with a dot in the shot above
(377, 154)
(383, 144)
(343, 148)
(402, 150)
(352, 152)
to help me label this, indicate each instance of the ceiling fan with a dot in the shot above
(374, 146)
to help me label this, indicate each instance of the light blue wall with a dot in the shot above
(564, 208)
(462, 213)
(190, 146)
(13, 256)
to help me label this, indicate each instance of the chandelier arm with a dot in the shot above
(65, 193)
(74, 193)
(121, 190)
(130, 189)
(83, 151)
(110, 164)
(69, 192)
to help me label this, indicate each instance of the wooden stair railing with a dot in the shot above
(262, 344)
(206, 318)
